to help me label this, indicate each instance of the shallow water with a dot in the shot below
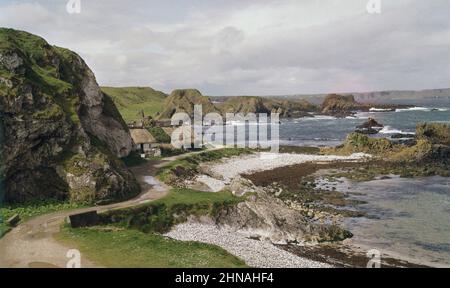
(409, 218)
(155, 183)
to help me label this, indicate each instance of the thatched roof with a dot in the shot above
(142, 136)
(168, 130)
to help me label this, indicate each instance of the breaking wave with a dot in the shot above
(390, 130)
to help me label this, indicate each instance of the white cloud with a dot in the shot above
(250, 47)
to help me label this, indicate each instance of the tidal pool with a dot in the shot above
(408, 218)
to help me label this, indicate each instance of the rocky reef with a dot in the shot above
(371, 126)
(346, 105)
(430, 146)
(63, 136)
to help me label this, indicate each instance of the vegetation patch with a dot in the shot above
(131, 101)
(160, 215)
(159, 134)
(127, 248)
(32, 209)
(188, 166)
(371, 170)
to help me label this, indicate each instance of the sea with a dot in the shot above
(407, 218)
(331, 131)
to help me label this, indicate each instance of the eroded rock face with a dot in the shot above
(183, 101)
(266, 217)
(340, 105)
(63, 136)
(99, 120)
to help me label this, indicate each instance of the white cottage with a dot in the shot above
(145, 142)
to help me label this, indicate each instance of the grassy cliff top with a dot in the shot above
(132, 100)
(183, 100)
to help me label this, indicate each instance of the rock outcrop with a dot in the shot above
(63, 136)
(269, 218)
(430, 146)
(184, 100)
(371, 126)
(340, 105)
(253, 104)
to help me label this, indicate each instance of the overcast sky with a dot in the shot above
(254, 47)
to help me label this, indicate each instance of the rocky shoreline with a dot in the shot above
(250, 229)
(257, 219)
(255, 253)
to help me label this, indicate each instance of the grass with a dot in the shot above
(159, 134)
(133, 240)
(134, 249)
(160, 215)
(32, 209)
(189, 165)
(132, 100)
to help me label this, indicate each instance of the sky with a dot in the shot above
(249, 47)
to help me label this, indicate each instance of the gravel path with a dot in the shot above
(230, 168)
(255, 253)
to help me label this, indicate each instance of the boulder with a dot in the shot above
(371, 126)
(13, 220)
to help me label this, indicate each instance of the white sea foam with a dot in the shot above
(379, 110)
(390, 130)
(320, 117)
(414, 109)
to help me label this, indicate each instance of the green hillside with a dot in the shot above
(132, 100)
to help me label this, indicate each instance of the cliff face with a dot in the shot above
(252, 104)
(183, 100)
(2, 176)
(338, 104)
(62, 134)
(244, 105)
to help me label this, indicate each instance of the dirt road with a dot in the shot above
(31, 244)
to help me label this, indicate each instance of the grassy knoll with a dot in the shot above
(188, 166)
(127, 248)
(132, 100)
(160, 215)
(132, 239)
(32, 209)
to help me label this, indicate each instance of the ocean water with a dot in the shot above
(407, 218)
(330, 131)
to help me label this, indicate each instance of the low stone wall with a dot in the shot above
(84, 219)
